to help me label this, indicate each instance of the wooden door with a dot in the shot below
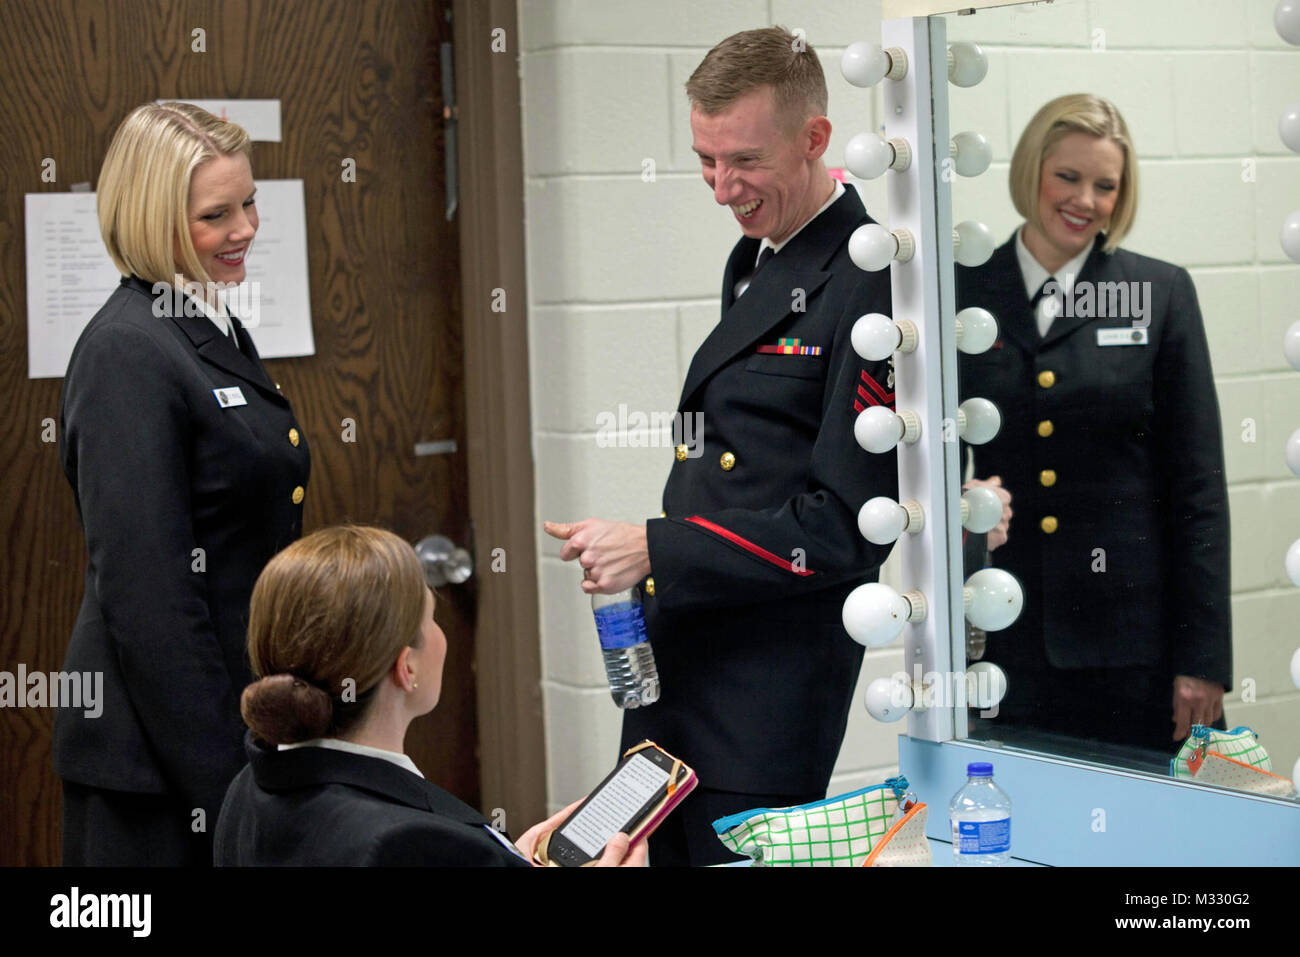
(356, 80)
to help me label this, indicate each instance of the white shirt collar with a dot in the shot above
(220, 316)
(338, 744)
(836, 193)
(1034, 275)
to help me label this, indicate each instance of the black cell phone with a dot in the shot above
(646, 784)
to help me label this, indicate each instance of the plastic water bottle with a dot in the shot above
(629, 661)
(980, 814)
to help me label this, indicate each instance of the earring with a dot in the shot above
(414, 685)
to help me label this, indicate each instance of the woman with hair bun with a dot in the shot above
(347, 653)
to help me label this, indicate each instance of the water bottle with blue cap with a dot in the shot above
(980, 814)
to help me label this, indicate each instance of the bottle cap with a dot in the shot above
(979, 769)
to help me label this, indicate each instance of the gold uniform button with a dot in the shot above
(728, 461)
(298, 493)
(663, 514)
(650, 587)
(293, 437)
(1047, 477)
(681, 453)
(1048, 524)
(1047, 379)
(1045, 428)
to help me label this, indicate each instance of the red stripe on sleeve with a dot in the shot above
(747, 545)
(885, 397)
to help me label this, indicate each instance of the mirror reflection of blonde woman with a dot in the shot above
(1111, 448)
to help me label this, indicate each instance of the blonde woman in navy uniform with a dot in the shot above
(189, 471)
(1110, 445)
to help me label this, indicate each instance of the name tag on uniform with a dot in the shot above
(229, 398)
(1123, 336)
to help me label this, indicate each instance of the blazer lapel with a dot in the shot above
(1064, 325)
(739, 263)
(210, 344)
(297, 768)
(1001, 291)
(769, 298)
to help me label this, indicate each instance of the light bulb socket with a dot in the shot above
(906, 245)
(902, 154)
(965, 511)
(920, 608)
(911, 426)
(921, 694)
(908, 335)
(915, 517)
(897, 63)
(961, 422)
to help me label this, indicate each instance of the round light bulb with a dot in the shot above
(888, 699)
(864, 64)
(1288, 127)
(1290, 237)
(986, 685)
(1295, 668)
(1291, 345)
(1293, 563)
(868, 156)
(874, 337)
(1286, 20)
(993, 599)
(983, 420)
(983, 509)
(967, 64)
(1293, 452)
(881, 520)
(878, 429)
(973, 244)
(977, 330)
(872, 247)
(972, 153)
(874, 614)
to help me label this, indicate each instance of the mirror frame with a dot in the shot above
(934, 751)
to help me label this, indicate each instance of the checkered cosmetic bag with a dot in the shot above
(1230, 759)
(1240, 744)
(841, 831)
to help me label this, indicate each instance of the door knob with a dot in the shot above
(444, 562)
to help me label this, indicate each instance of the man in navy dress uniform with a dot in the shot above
(744, 574)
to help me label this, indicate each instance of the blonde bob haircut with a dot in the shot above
(1057, 119)
(144, 187)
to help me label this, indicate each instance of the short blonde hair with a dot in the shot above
(144, 186)
(748, 61)
(1055, 120)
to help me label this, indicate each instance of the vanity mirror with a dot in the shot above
(1115, 404)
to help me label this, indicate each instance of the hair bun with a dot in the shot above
(284, 709)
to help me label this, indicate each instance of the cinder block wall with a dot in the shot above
(1201, 84)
